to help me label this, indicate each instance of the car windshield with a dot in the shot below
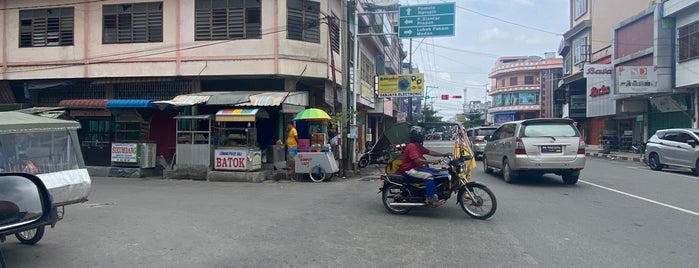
(485, 131)
(549, 130)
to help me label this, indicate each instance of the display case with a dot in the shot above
(237, 137)
(194, 140)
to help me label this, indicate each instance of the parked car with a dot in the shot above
(477, 137)
(674, 147)
(535, 147)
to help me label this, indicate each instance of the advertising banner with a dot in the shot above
(125, 152)
(229, 159)
(401, 85)
(637, 79)
(600, 100)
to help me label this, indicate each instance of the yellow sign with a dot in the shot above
(401, 85)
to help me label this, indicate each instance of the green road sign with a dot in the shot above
(426, 20)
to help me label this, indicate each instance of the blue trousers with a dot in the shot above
(425, 175)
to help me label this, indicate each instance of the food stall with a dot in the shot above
(314, 155)
(194, 140)
(237, 148)
(132, 146)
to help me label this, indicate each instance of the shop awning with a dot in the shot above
(14, 122)
(299, 98)
(130, 103)
(210, 98)
(84, 104)
(240, 115)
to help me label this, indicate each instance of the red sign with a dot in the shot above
(603, 90)
(230, 163)
(445, 97)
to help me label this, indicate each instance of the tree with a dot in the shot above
(474, 120)
(430, 115)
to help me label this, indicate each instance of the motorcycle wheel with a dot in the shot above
(30, 237)
(363, 162)
(389, 195)
(317, 174)
(480, 206)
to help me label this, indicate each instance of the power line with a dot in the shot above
(53, 5)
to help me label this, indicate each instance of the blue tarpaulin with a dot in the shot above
(131, 103)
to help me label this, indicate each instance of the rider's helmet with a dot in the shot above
(417, 134)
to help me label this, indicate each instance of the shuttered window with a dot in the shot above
(303, 21)
(46, 27)
(132, 23)
(227, 20)
(688, 42)
(335, 33)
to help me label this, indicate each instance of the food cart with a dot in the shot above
(314, 155)
(237, 148)
(132, 147)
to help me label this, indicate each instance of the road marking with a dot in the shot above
(643, 198)
(669, 173)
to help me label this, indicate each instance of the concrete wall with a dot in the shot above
(178, 54)
(686, 72)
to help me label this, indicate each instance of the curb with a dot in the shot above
(615, 157)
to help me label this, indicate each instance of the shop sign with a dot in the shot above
(230, 159)
(637, 79)
(600, 101)
(125, 152)
(403, 85)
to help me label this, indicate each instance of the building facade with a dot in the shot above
(521, 86)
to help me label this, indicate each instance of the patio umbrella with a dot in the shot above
(312, 114)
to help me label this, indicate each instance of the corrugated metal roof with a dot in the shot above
(131, 103)
(84, 104)
(16, 122)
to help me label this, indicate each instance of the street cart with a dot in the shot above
(314, 156)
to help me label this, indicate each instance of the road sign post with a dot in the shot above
(426, 20)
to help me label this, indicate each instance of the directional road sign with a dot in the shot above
(426, 20)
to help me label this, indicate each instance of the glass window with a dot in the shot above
(580, 51)
(303, 20)
(579, 8)
(37, 152)
(688, 42)
(548, 130)
(529, 80)
(132, 23)
(513, 81)
(46, 27)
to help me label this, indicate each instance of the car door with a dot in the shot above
(669, 148)
(683, 152)
(504, 145)
(492, 152)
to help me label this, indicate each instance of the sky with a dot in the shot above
(463, 61)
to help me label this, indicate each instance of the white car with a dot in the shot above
(674, 147)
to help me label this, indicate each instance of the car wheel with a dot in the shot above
(695, 170)
(654, 162)
(570, 177)
(486, 168)
(507, 174)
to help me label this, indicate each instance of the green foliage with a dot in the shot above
(342, 118)
(429, 115)
(474, 120)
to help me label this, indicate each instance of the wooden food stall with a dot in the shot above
(237, 148)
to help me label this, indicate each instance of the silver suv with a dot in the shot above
(536, 146)
(674, 147)
(477, 137)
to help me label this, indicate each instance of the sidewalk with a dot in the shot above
(596, 151)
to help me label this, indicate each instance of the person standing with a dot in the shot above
(292, 143)
(335, 142)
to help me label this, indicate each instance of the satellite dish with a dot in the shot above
(382, 3)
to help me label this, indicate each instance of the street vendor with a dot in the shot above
(292, 141)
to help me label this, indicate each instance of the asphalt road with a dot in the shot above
(620, 214)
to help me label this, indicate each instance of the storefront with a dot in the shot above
(96, 129)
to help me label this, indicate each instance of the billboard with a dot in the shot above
(600, 100)
(637, 79)
(401, 85)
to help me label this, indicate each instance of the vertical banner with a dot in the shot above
(600, 100)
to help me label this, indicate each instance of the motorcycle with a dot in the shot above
(400, 195)
(376, 156)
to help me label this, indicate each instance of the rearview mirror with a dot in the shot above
(25, 203)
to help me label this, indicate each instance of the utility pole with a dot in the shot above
(410, 71)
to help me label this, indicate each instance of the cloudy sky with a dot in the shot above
(485, 30)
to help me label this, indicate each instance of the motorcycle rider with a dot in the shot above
(413, 164)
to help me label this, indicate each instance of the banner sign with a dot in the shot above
(600, 100)
(125, 152)
(637, 79)
(401, 85)
(230, 159)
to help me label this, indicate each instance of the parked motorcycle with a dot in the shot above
(477, 200)
(377, 156)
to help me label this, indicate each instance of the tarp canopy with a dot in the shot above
(131, 103)
(17, 122)
(240, 115)
(299, 98)
(84, 104)
(210, 98)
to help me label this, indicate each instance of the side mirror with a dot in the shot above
(692, 143)
(487, 138)
(25, 203)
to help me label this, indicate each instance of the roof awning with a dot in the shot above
(240, 115)
(131, 103)
(15, 122)
(299, 98)
(84, 104)
(210, 98)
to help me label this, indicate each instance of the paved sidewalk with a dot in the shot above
(596, 151)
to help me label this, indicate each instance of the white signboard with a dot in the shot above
(637, 79)
(125, 152)
(600, 98)
(230, 159)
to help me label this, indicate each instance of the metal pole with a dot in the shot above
(410, 71)
(355, 84)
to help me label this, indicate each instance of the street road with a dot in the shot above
(620, 214)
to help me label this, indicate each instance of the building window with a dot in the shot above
(688, 42)
(528, 80)
(46, 27)
(335, 33)
(303, 20)
(132, 23)
(502, 82)
(226, 20)
(513, 81)
(368, 70)
(580, 51)
(579, 8)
